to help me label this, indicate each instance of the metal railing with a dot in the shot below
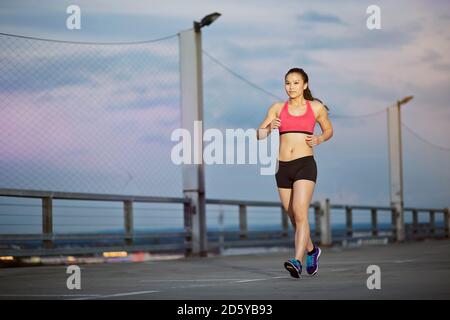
(414, 230)
(243, 237)
(47, 236)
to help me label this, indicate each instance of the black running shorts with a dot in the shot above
(290, 171)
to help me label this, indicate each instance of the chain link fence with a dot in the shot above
(92, 118)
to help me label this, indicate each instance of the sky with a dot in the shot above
(98, 118)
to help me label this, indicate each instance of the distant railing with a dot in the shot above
(414, 230)
(282, 237)
(322, 223)
(48, 237)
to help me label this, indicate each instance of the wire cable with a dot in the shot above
(241, 77)
(89, 43)
(275, 96)
(359, 116)
(424, 140)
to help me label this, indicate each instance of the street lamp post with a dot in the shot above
(192, 119)
(396, 167)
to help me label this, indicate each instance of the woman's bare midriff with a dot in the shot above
(293, 145)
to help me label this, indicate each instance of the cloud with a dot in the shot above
(365, 39)
(316, 17)
(159, 138)
(76, 65)
(103, 25)
(435, 60)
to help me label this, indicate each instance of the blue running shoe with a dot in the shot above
(294, 267)
(312, 262)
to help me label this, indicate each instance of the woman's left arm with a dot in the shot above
(325, 125)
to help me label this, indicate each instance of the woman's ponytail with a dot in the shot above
(307, 94)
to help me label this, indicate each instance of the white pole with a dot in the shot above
(191, 111)
(395, 169)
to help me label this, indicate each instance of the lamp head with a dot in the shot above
(210, 18)
(206, 21)
(405, 100)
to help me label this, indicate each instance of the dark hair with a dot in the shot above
(307, 92)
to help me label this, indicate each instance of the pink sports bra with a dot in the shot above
(291, 123)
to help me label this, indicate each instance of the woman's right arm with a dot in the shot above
(270, 122)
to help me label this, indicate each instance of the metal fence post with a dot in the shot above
(393, 224)
(317, 219)
(243, 221)
(128, 221)
(447, 221)
(187, 211)
(415, 221)
(373, 212)
(47, 221)
(325, 223)
(284, 223)
(432, 221)
(349, 222)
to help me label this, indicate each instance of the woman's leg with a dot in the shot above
(302, 195)
(286, 201)
(286, 196)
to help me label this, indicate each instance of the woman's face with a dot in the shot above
(294, 85)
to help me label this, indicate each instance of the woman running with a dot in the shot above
(297, 171)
